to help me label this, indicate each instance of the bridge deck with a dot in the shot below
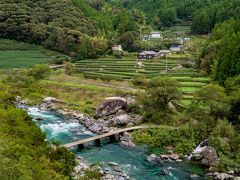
(82, 141)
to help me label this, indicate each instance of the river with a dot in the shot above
(131, 161)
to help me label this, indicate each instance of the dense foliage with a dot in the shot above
(23, 150)
(214, 115)
(87, 29)
(73, 27)
(160, 93)
(221, 55)
(204, 14)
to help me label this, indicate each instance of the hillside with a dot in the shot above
(166, 13)
(87, 29)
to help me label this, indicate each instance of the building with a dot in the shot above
(180, 40)
(146, 55)
(117, 48)
(155, 35)
(145, 37)
(176, 49)
(163, 53)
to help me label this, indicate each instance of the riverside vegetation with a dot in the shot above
(201, 103)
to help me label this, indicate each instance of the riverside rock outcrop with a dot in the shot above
(205, 154)
(111, 105)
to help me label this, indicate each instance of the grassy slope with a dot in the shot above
(14, 54)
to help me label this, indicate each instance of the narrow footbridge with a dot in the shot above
(111, 135)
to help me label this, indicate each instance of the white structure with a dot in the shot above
(155, 35)
(117, 48)
(176, 49)
(180, 40)
(151, 35)
(163, 53)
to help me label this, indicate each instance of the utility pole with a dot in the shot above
(166, 62)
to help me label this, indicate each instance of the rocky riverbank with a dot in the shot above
(113, 114)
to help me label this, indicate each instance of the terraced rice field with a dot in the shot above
(111, 69)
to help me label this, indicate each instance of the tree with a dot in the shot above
(160, 91)
(220, 54)
(168, 17)
(212, 100)
(39, 71)
(228, 64)
(201, 23)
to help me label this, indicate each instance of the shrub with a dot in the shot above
(39, 71)
(139, 80)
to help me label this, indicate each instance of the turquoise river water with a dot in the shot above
(132, 161)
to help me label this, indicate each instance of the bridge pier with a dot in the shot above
(98, 142)
(80, 147)
(112, 138)
(121, 134)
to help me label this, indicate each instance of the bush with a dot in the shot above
(140, 80)
(184, 139)
(39, 71)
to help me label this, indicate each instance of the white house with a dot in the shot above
(176, 49)
(163, 53)
(155, 35)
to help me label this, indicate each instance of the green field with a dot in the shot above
(126, 69)
(14, 54)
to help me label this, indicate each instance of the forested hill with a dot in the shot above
(88, 28)
(71, 26)
(204, 13)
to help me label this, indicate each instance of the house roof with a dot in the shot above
(155, 32)
(148, 53)
(164, 51)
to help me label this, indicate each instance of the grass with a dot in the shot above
(14, 54)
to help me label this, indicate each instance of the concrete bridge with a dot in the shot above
(112, 135)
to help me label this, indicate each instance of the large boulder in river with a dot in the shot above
(111, 105)
(122, 120)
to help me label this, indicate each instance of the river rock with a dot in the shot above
(38, 118)
(221, 176)
(19, 100)
(121, 112)
(137, 119)
(174, 156)
(96, 127)
(111, 105)
(209, 156)
(170, 156)
(196, 157)
(126, 140)
(163, 172)
(113, 164)
(122, 120)
(49, 99)
(130, 101)
(194, 176)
